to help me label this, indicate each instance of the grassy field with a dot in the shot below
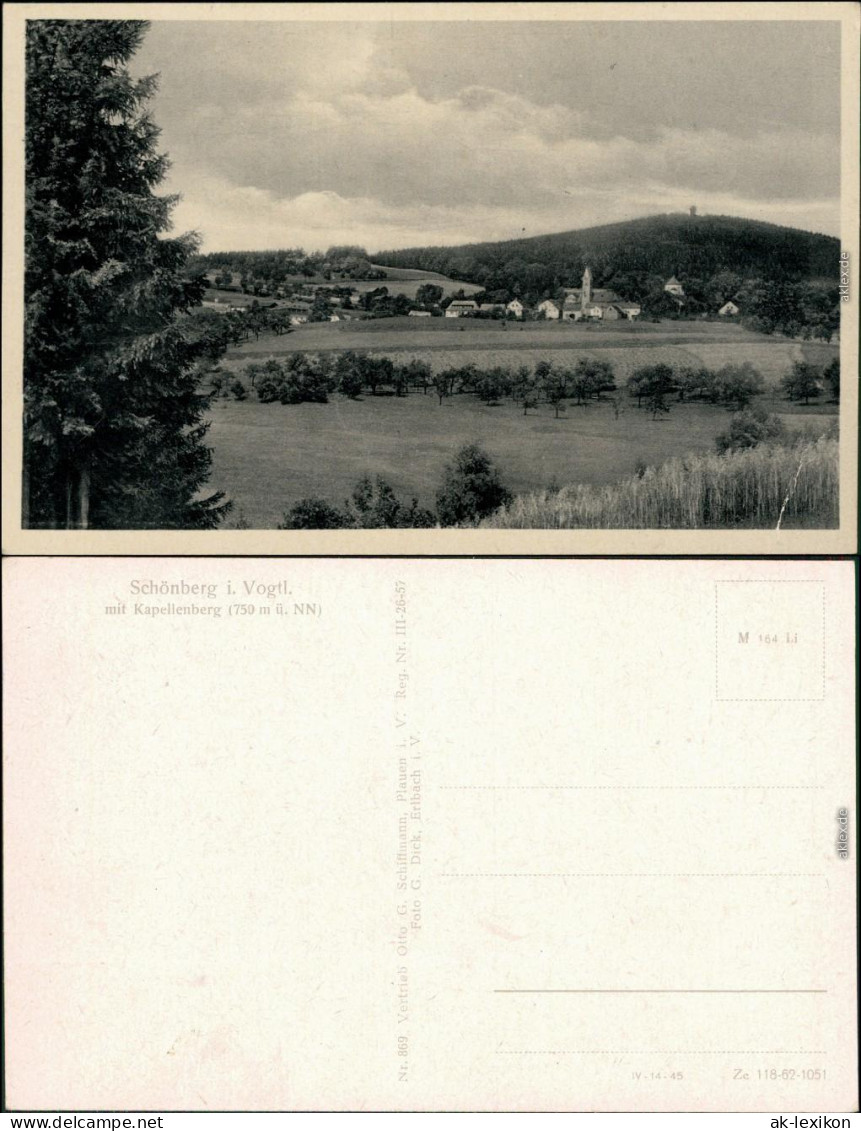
(406, 281)
(446, 342)
(487, 333)
(268, 456)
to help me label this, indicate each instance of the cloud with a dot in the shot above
(231, 217)
(330, 124)
(484, 143)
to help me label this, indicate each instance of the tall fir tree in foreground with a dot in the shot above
(113, 421)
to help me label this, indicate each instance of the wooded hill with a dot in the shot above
(674, 244)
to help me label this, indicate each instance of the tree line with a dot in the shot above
(313, 377)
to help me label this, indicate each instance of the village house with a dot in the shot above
(549, 309)
(222, 306)
(491, 307)
(621, 310)
(729, 310)
(419, 314)
(298, 310)
(674, 287)
(515, 307)
(460, 307)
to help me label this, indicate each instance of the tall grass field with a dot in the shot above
(796, 485)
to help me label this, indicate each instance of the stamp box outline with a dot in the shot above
(767, 581)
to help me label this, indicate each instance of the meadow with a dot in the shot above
(268, 456)
(445, 342)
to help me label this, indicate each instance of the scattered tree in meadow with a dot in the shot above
(555, 388)
(749, 428)
(652, 385)
(399, 381)
(802, 382)
(831, 375)
(441, 385)
(592, 377)
(542, 372)
(524, 389)
(348, 373)
(417, 374)
(377, 371)
(694, 383)
(737, 385)
(278, 320)
(373, 505)
(266, 379)
(471, 489)
(492, 385)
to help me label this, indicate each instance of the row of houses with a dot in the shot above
(299, 310)
(460, 307)
(583, 303)
(579, 304)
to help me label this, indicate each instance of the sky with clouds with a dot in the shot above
(392, 134)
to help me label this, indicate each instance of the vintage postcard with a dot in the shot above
(431, 278)
(492, 835)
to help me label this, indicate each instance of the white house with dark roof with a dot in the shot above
(459, 307)
(549, 309)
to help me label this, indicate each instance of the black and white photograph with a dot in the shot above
(334, 273)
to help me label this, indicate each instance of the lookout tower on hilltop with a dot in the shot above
(693, 210)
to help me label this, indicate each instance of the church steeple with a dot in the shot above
(586, 290)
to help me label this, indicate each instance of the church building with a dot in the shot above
(585, 302)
